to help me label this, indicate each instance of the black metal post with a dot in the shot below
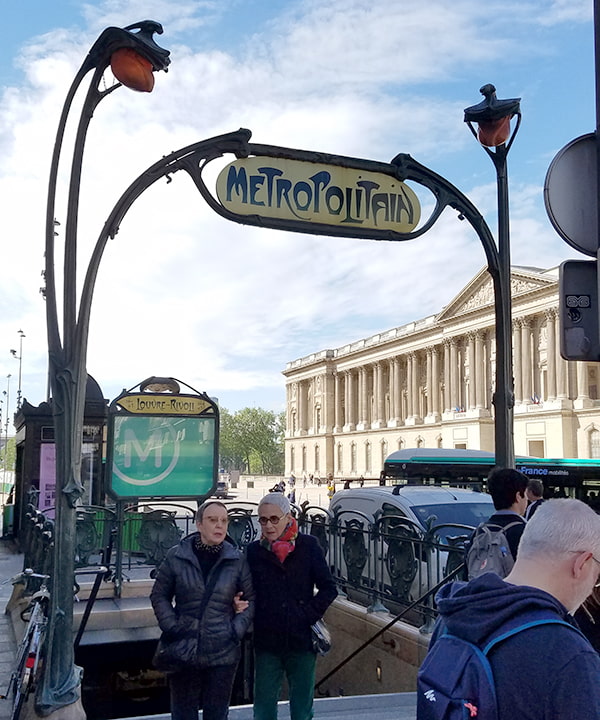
(60, 684)
(491, 113)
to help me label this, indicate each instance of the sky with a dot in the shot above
(223, 307)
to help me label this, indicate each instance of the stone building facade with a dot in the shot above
(430, 383)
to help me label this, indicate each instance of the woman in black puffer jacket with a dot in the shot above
(203, 574)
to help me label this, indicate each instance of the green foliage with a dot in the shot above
(9, 456)
(251, 440)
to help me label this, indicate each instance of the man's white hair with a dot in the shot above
(561, 526)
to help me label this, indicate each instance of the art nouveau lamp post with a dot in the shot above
(492, 117)
(134, 57)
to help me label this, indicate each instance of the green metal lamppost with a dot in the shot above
(134, 57)
(493, 117)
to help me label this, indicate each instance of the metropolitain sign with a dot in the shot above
(315, 193)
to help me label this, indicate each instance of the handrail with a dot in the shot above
(392, 622)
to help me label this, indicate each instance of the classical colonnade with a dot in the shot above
(433, 382)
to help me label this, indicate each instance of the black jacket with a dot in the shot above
(216, 639)
(286, 605)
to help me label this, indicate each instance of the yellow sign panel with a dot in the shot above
(163, 404)
(314, 193)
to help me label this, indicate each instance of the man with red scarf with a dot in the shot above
(286, 567)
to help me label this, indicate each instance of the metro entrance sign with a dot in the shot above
(162, 445)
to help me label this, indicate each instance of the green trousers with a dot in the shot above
(299, 668)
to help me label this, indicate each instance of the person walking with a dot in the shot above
(286, 567)
(210, 582)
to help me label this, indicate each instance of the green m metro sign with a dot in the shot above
(162, 445)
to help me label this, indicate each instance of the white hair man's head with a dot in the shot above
(559, 552)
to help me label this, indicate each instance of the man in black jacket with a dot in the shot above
(286, 568)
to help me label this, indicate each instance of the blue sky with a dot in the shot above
(223, 307)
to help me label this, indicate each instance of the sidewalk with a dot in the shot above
(11, 563)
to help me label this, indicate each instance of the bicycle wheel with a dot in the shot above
(27, 660)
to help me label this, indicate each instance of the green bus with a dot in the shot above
(562, 477)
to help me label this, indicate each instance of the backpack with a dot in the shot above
(489, 551)
(455, 681)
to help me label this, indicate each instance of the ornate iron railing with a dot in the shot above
(383, 564)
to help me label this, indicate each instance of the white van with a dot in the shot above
(398, 540)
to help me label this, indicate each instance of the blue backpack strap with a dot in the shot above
(481, 655)
(526, 626)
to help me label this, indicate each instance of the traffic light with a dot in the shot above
(578, 310)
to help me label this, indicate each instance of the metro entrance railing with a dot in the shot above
(383, 564)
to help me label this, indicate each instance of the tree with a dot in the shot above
(251, 440)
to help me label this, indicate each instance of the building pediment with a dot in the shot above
(479, 293)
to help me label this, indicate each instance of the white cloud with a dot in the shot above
(181, 291)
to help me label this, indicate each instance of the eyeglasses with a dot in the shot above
(273, 519)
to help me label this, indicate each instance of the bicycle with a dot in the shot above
(23, 678)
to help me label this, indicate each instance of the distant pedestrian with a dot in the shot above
(535, 493)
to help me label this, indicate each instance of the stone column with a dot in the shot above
(409, 385)
(454, 374)
(380, 396)
(414, 391)
(435, 382)
(481, 374)
(526, 355)
(338, 402)
(551, 354)
(303, 407)
(392, 420)
(428, 380)
(350, 401)
(447, 401)
(517, 361)
(365, 396)
(583, 391)
(472, 372)
(561, 371)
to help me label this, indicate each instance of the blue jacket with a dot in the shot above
(286, 605)
(215, 640)
(548, 672)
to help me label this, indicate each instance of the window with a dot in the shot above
(317, 458)
(353, 457)
(292, 459)
(340, 458)
(384, 451)
(536, 448)
(367, 457)
(303, 458)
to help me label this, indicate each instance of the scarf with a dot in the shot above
(285, 544)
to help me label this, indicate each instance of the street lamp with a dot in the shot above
(492, 117)
(6, 394)
(19, 357)
(133, 56)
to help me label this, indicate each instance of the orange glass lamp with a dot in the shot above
(492, 117)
